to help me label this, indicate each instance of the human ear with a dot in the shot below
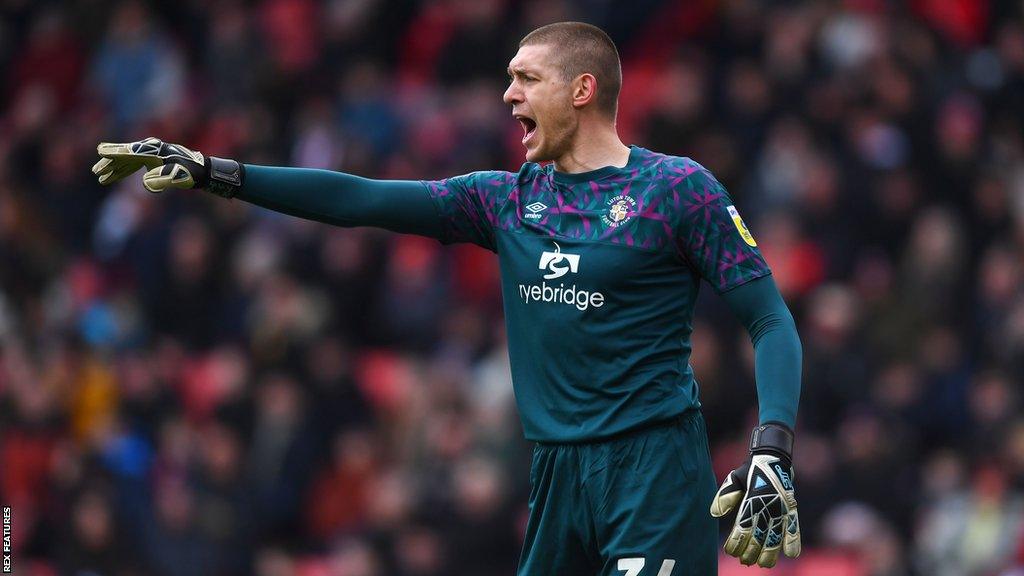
(584, 90)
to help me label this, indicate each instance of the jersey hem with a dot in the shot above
(687, 413)
(742, 281)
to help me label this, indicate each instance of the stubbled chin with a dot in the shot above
(534, 152)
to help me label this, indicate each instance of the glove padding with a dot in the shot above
(170, 165)
(767, 520)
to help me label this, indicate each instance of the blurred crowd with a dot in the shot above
(190, 385)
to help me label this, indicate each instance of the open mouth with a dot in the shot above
(529, 126)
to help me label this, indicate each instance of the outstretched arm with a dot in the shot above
(343, 199)
(458, 209)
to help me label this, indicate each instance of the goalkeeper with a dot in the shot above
(602, 252)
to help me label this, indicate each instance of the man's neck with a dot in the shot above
(593, 149)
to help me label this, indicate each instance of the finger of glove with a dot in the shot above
(113, 148)
(737, 541)
(111, 170)
(125, 148)
(791, 540)
(772, 543)
(106, 178)
(101, 166)
(751, 551)
(170, 176)
(123, 152)
(117, 172)
(728, 496)
(768, 558)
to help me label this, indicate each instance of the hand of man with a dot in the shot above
(762, 488)
(170, 166)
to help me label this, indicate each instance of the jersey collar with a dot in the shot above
(576, 178)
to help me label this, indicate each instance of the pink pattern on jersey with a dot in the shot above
(673, 204)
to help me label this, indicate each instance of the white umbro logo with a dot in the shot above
(535, 210)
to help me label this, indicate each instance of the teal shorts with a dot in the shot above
(634, 505)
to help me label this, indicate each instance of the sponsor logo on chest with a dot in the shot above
(558, 264)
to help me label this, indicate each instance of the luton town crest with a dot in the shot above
(620, 210)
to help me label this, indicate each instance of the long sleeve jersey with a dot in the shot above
(599, 271)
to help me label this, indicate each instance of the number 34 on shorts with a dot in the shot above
(634, 566)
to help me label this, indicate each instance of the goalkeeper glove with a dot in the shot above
(170, 166)
(762, 487)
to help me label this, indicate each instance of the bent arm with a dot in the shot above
(343, 199)
(777, 353)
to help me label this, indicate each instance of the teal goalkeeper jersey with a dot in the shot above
(600, 272)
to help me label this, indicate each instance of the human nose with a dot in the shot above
(513, 94)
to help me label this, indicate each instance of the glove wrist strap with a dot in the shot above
(226, 176)
(772, 437)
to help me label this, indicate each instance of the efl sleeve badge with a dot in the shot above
(740, 226)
